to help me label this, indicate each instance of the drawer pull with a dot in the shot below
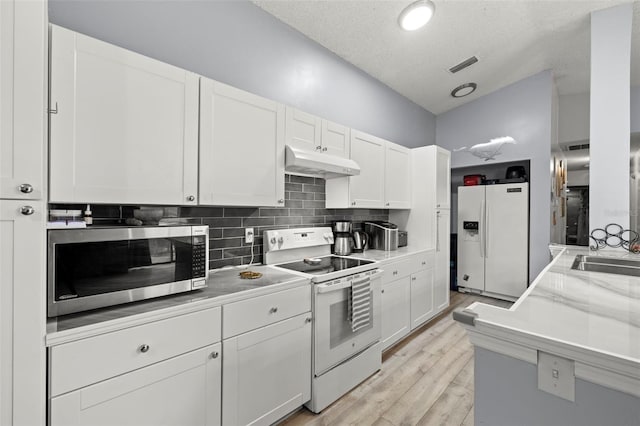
(307, 320)
(395, 272)
(383, 291)
(144, 348)
(424, 263)
(413, 278)
(273, 310)
(214, 354)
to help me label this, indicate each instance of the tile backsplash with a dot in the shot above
(304, 206)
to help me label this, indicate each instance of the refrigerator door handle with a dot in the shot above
(486, 231)
(481, 230)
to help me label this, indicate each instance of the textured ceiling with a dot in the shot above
(513, 39)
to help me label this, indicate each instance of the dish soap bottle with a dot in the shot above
(88, 216)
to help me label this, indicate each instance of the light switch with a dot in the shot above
(556, 375)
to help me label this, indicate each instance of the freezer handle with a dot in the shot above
(481, 228)
(486, 231)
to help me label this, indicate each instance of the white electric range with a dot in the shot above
(346, 309)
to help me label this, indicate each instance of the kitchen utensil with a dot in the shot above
(342, 226)
(360, 240)
(342, 242)
(473, 180)
(514, 172)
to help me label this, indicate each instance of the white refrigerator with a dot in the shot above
(493, 239)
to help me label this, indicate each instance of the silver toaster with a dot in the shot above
(382, 235)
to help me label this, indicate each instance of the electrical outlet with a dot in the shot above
(248, 235)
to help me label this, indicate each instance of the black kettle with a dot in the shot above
(515, 172)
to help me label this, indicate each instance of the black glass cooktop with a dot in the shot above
(324, 265)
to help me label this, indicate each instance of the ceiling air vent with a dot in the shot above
(575, 147)
(462, 65)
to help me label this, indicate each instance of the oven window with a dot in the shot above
(86, 269)
(339, 324)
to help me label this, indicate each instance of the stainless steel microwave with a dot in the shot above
(97, 267)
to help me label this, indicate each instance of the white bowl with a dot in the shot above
(149, 216)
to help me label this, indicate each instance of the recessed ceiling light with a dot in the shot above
(464, 90)
(416, 15)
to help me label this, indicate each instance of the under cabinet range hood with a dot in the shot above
(319, 164)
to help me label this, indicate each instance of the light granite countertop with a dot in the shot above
(590, 317)
(223, 286)
(383, 256)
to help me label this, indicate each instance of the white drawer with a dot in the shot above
(246, 315)
(424, 260)
(83, 362)
(397, 269)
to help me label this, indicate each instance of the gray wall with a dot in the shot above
(506, 394)
(522, 110)
(238, 43)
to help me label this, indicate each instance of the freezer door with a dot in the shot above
(507, 230)
(471, 241)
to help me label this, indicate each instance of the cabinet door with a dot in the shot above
(267, 372)
(23, 126)
(303, 130)
(22, 312)
(442, 264)
(367, 189)
(124, 127)
(421, 297)
(397, 177)
(335, 139)
(395, 317)
(241, 147)
(443, 178)
(185, 390)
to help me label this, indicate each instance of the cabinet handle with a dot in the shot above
(191, 198)
(413, 278)
(27, 210)
(382, 290)
(280, 201)
(273, 310)
(318, 148)
(395, 272)
(387, 204)
(353, 203)
(54, 110)
(25, 188)
(214, 354)
(424, 263)
(324, 149)
(307, 320)
(144, 348)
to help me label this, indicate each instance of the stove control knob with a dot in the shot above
(327, 236)
(280, 240)
(272, 240)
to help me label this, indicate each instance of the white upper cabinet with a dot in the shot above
(443, 178)
(397, 177)
(384, 180)
(23, 125)
(366, 190)
(312, 133)
(124, 127)
(241, 147)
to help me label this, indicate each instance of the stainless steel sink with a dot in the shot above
(609, 265)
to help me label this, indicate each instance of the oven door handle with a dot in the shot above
(326, 288)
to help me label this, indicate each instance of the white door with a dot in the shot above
(442, 263)
(421, 297)
(22, 312)
(303, 130)
(471, 242)
(241, 147)
(124, 127)
(267, 372)
(395, 317)
(397, 177)
(335, 139)
(367, 189)
(443, 178)
(185, 391)
(507, 239)
(23, 91)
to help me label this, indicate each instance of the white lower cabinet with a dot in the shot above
(442, 260)
(396, 317)
(184, 390)
(421, 297)
(267, 372)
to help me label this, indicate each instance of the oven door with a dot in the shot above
(334, 340)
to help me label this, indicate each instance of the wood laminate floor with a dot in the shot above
(427, 379)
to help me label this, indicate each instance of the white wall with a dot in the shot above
(610, 117)
(574, 117)
(524, 111)
(578, 178)
(238, 43)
